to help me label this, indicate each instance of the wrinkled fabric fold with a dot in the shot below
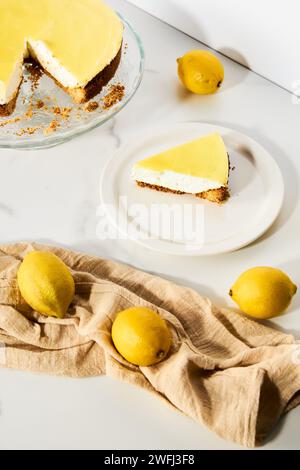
(230, 373)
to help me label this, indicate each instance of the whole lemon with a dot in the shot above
(200, 72)
(141, 336)
(263, 292)
(46, 283)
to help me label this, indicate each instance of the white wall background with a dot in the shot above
(264, 35)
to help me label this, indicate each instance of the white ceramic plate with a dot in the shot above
(183, 224)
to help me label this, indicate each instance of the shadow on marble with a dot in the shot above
(286, 331)
(276, 431)
(239, 74)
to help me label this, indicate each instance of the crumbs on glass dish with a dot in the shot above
(27, 130)
(10, 121)
(63, 112)
(40, 104)
(115, 94)
(35, 74)
(58, 115)
(52, 127)
(91, 106)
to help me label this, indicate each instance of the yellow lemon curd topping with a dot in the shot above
(83, 35)
(205, 157)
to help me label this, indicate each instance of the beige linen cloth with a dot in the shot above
(232, 374)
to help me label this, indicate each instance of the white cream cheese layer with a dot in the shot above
(8, 91)
(175, 181)
(44, 56)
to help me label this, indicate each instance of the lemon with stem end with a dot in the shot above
(263, 292)
(201, 72)
(141, 336)
(46, 283)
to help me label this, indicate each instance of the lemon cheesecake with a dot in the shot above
(77, 42)
(199, 167)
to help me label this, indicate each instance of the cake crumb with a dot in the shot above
(56, 110)
(35, 73)
(40, 104)
(65, 112)
(115, 94)
(91, 106)
(10, 121)
(29, 112)
(27, 130)
(52, 127)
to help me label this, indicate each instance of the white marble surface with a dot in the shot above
(52, 196)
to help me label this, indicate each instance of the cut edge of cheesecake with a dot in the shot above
(78, 94)
(83, 94)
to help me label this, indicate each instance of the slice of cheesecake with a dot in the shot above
(77, 42)
(199, 167)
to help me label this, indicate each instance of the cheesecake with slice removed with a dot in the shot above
(77, 42)
(199, 167)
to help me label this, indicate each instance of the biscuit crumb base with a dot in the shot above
(213, 195)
